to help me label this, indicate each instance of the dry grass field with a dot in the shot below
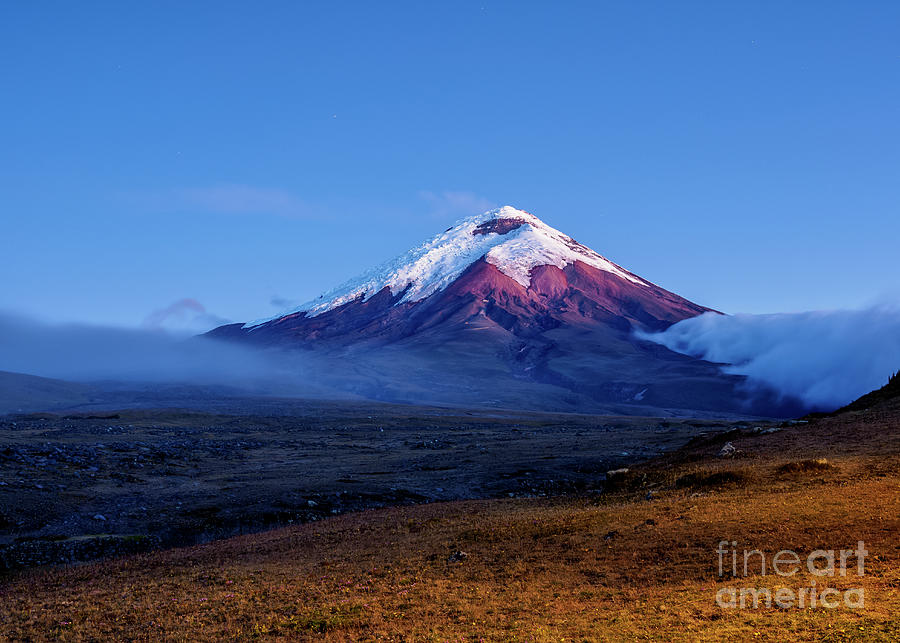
(636, 562)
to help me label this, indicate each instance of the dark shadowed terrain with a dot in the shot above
(79, 485)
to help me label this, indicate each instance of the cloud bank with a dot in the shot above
(826, 358)
(86, 353)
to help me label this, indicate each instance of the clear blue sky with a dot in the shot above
(745, 155)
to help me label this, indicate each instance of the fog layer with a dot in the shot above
(825, 358)
(90, 353)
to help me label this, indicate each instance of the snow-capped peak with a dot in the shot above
(513, 240)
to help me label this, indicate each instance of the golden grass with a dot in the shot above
(533, 571)
(615, 567)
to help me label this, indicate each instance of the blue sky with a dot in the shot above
(745, 155)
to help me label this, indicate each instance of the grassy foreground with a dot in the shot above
(618, 566)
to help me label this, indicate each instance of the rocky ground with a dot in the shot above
(85, 485)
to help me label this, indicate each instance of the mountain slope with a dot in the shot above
(505, 303)
(21, 393)
(890, 392)
(514, 241)
(505, 266)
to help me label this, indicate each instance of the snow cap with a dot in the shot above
(513, 240)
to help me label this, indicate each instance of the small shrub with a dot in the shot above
(806, 466)
(702, 479)
(624, 480)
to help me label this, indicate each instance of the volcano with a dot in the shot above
(503, 310)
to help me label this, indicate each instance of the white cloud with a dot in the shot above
(825, 358)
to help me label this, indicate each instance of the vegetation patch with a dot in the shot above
(707, 479)
(820, 465)
(625, 480)
(321, 621)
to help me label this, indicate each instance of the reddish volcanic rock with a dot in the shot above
(499, 226)
(577, 295)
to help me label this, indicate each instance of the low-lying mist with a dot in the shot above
(84, 353)
(825, 358)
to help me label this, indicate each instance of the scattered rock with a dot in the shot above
(100, 517)
(728, 450)
(457, 557)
